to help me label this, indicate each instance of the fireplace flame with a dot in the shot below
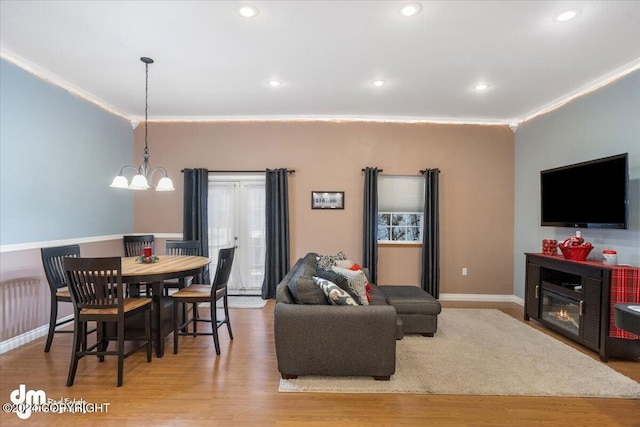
(563, 315)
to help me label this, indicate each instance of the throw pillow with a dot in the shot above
(354, 267)
(304, 290)
(347, 263)
(326, 261)
(339, 280)
(333, 292)
(367, 289)
(357, 281)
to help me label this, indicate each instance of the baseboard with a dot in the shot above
(28, 336)
(481, 298)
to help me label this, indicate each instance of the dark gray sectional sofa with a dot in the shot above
(320, 339)
(316, 338)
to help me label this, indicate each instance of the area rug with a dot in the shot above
(483, 352)
(246, 302)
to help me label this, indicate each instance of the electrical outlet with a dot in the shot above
(464, 271)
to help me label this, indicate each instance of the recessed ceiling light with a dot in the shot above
(378, 83)
(410, 9)
(567, 15)
(248, 11)
(275, 83)
(481, 86)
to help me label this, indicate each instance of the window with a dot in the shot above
(400, 209)
(399, 227)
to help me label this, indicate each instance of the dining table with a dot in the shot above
(164, 267)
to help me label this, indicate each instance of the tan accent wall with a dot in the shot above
(476, 187)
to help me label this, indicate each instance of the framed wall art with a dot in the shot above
(327, 200)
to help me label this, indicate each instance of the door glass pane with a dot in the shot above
(237, 218)
(222, 200)
(253, 234)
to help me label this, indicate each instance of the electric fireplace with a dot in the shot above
(562, 311)
(573, 298)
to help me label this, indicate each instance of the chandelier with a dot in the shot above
(144, 173)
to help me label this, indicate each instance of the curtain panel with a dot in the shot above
(195, 212)
(430, 280)
(277, 231)
(370, 223)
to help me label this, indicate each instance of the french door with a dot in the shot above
(237, 218)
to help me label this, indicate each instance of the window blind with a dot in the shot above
(400, 193)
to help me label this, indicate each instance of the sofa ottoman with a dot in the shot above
(417, 308)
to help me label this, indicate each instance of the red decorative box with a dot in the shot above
(575, 253)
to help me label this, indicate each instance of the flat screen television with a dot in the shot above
(591, 194)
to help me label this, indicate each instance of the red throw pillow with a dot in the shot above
(356, 267)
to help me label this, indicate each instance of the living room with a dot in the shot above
(489, 192)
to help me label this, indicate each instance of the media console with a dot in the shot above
(574, 298)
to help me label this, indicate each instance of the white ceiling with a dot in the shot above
(213, 64)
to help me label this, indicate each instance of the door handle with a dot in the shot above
(581, 310)
(537, 291)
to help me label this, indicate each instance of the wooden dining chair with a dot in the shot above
(52, 261)
(97, 294)
(180, 247)
(196, 293)
(183, 247)
(134, 246)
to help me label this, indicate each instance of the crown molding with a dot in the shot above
(335, 119)
(134, 119)
(581, 91)
(56, 80)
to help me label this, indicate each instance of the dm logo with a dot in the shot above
(25, 400)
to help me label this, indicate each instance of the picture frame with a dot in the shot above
(327, 200)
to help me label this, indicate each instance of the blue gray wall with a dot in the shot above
(58, 154)
(602, 123)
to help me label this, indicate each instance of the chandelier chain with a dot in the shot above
(144, 174)
(146, 105)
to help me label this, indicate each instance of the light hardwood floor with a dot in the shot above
(241, 388)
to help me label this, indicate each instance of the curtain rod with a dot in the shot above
(241, 171)
(423, 171)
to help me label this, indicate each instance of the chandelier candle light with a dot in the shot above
(142, 180)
